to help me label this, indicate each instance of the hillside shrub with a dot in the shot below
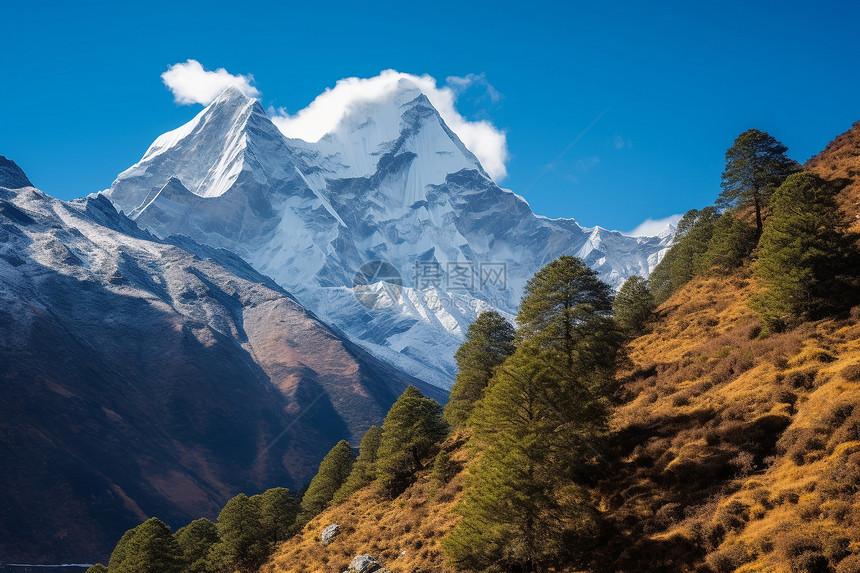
(728, 559)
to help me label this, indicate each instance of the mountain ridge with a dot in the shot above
(145, 377)
(391, 183)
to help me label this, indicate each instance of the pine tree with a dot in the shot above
(567, 311)
(732, 242)
(685, 259)
(332, 474)
(412, 427)
(633, 306)
(660, 281)
(807, 261)
(364, 470)
(538, 428)
(443, 467)
(692, 247)
(278, 512)
(97, 568)
(489, 340)
(120, 550)
(756, 165)
(522, 509)
(148, 548)
(241, 546)
(195, 540)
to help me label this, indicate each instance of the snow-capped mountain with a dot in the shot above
(148, 377)
(390, 183)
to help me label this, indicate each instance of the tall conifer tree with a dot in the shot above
(807, 261)
(489, 341)
(241, 546)
(538, 428)
(633, 306)
(148, 548)
(332, 474)
(412, 427)
(756, 165)
(364, 470)
(196, 540)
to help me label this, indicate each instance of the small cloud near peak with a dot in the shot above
(652, 227)
(191, 83)
(321, 116)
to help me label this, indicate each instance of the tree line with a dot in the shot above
(535, 400)
(249, 529)
(782, 221)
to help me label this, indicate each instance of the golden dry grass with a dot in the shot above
(404, 533)
(841, 160)
(736, 450)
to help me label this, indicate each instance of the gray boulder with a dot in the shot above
(329, 533)
(365, 564)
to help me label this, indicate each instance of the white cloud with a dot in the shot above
(620, 143)
(488, 143)
(190, 83)
(652, 227)
(586, 163)
(460, 84)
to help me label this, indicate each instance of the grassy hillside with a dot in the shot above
(841, 159)
(728, 450)
(733, 448)
(404, 533)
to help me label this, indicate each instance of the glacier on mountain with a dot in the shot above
(390, 183)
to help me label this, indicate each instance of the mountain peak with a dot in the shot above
(12, 176)
(231, 135)
(403, 120)
(232, 93)
(406, 91)
(233, 104)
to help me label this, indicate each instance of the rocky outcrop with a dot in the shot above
(329, 533)
(365, 564)
(12, 176)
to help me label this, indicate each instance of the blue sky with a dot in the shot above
(671, 84)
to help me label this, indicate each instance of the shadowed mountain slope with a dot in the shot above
(146, 377)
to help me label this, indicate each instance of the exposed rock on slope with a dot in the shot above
(404, 534)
